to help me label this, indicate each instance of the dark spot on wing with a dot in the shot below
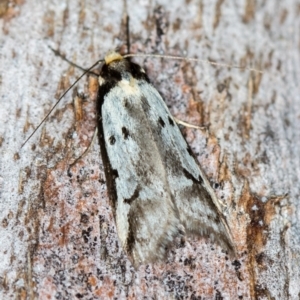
(112, 140)
(161, 122)
(104, 89)
(188, 175)
(111, 77)
(125, 133)
(189, 151)
(111, 73)
(200, 179)
(125, 102)
(134, 196)
(131, 236)
(217, 219)
(137, 72)
(135, 215)
(171, 121)
(145, 104)
(115, 174)
(214, 218)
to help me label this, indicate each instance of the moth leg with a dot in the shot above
(85, 151)
(188, 124)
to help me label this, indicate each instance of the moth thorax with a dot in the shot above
(119, 65)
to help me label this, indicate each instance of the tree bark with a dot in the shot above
(58, 236)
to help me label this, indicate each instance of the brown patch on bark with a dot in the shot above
(224, 172)
(196, 109)
(24, 175)
(248, 109)
(245, 117)
(249, 11)
(218, 13)
(49, 22)
(8, 10)
(260, 216)
(78, 100)
(3, 7)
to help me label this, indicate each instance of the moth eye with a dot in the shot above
(125, 133)
(171, 121)
(161, 122)
(101, 80)
(112, 140)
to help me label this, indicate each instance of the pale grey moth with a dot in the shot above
(157, 189)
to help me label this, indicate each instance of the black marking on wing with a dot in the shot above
(111, 78)
(171, 121)
(190, 176)
(125, 103)
(110, 74)
(161, 122)
(134, 224)
(110, 173)
(145, 104)
(130, 242)
(112, 140)
(114, 173)
(105, 88)
(190, 152)
(215, 219)
(136, 71)
(134, 196)
(125, 133)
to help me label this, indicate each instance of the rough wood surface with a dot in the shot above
(58, 238)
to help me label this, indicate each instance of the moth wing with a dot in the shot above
(146, 216)
(157, 185)
(195, 200)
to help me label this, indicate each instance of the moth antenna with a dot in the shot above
(57, 53)
(127, 33)
(124, 34)
(85, 151)
(203, 61)
(53, 107)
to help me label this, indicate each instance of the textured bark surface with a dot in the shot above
(58, 238)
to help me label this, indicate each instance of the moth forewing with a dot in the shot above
(153, 180)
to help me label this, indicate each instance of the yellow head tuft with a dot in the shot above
(112, 56)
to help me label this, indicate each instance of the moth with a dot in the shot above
(157, 188)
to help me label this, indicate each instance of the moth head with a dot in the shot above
(112, 56)
(110, 59)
